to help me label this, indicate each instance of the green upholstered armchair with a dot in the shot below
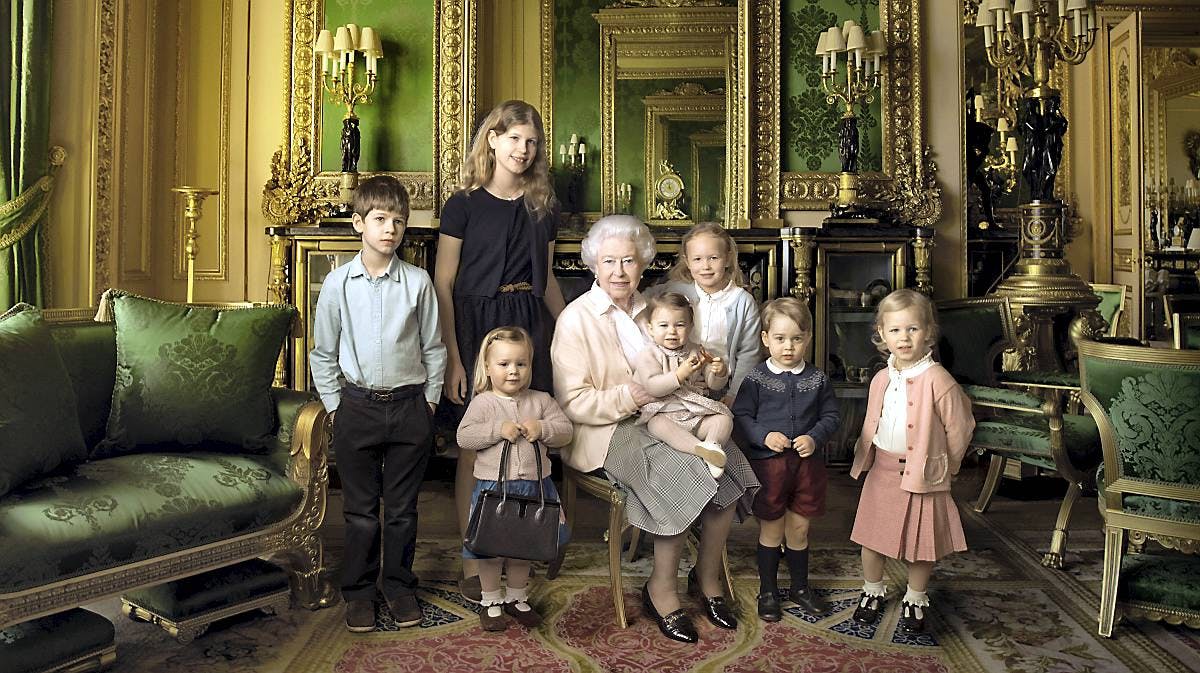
(1147, 404)
(1013, 424)
(1112, 304)
(1185, 330)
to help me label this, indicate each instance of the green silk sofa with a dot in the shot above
(108, 524)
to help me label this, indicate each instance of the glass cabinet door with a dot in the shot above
(314, 262)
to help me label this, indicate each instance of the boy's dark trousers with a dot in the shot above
(382, 443)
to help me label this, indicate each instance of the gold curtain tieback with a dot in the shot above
(516, 287)
(27, 208)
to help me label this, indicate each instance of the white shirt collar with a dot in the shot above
(601, 302)
(715, 297)
(776, 369)
(910, 372)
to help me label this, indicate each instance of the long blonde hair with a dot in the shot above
(511, 334)
(480, 164)
(680, 271)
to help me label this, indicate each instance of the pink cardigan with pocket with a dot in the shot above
(940, 425)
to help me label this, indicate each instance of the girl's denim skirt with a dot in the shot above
(526, 487)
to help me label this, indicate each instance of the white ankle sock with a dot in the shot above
(918, 598)
(494, 602)
(519, 597)
(874, 588)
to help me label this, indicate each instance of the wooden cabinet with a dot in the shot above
(843, 272)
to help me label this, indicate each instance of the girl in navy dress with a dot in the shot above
(493, 265)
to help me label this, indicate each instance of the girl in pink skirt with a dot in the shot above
(917, 428)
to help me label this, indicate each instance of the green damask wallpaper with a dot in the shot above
(397, 126)
(809, 124)
(577, 85)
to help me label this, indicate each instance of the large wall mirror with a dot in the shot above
(417, 124)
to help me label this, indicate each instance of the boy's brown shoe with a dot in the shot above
(360, 616)
(405, 610)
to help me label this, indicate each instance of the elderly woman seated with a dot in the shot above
(596, 339)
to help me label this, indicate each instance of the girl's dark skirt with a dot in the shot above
(474, 317)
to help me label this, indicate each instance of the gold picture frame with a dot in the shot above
(455, 25)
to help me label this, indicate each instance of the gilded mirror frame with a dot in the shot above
(454, 56)
(1167, 73)
(908, 175)
(684, 103)
(650, 34)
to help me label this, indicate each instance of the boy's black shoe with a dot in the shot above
(360, 616)
(868, 608)
(912, 617)
(808, 600)
(768, 607)
(405, 610)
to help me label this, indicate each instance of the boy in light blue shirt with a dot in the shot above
(378, 363)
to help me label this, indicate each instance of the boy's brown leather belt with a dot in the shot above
(401, 393)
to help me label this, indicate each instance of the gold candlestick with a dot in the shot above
(193, 197)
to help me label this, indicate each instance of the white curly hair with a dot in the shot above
(627, 227)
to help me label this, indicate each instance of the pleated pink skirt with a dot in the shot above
(903, 525)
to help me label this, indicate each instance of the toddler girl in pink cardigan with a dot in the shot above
(505, 409)
(918, 424)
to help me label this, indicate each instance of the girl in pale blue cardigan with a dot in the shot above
(727, 319)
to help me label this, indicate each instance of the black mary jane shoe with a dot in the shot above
(676, 625)
(912, 618)
(769, 609)
(809, 601)
(715, 607)
(868, 608)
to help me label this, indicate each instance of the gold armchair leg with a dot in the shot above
(635, 539)
(1113, 543)
(1058, 540)
(991, 483)
(616, 518)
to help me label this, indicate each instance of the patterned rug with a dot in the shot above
(995, 609)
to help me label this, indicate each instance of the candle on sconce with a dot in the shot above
(1011, 146)
(582, 154)
(352, 30)
(562, 152)
(979, 103)
(1002, 125)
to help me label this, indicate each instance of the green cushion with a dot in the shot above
(39, 426)
(187, 374)
(115, 511)
(1191, 336)
(1110, 302)
(970, 336)
(1016, 398)
(1148, 505)
(198, 594)
(1027, 437)
(1167, 579)
(48, 642)
(89, 351)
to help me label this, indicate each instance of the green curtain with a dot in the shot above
(24, 172)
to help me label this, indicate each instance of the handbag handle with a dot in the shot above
(503, 477)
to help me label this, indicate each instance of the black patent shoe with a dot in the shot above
(809, 601)
(912, 617)
(715, 608)
(868, 608)
(768, 607)
(676, 625)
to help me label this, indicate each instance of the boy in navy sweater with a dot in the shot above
(784, 411)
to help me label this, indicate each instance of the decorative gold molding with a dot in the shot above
(105, 133)
(546, 103)
(688, 101)
(908, 173)
(758, 191)
(453, 93)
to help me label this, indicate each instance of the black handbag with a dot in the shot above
(514, 526)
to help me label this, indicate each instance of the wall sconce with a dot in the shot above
(193, 199)
(337, 52)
